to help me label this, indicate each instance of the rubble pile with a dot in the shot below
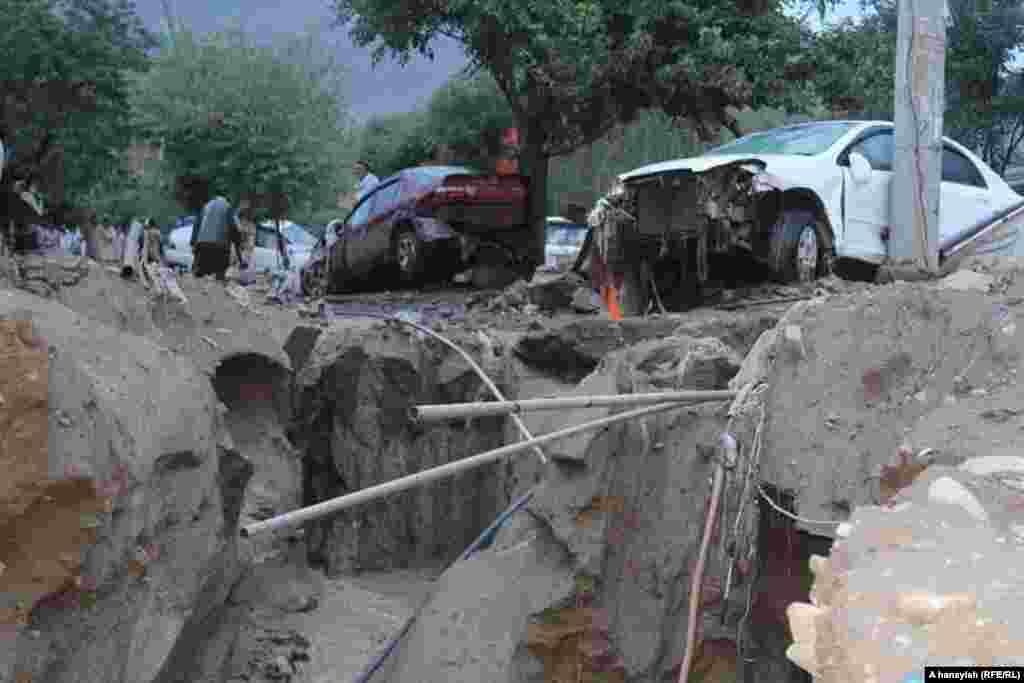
(935, 577)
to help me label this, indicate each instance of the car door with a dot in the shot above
(378, 239)
(965, 198)
(349, 254)
(866, 205)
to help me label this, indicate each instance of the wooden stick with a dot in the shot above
(373, 493)
(455, 411)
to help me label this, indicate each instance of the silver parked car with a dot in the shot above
(265, 257)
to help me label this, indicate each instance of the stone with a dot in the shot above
(993, 464)
(950, 491)
(967, 281)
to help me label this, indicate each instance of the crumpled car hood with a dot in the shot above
(772, 162)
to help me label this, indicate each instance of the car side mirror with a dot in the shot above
(860, 168)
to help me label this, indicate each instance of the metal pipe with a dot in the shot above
(697, 581)
(455, 411)
(523, 431)
(372, 493)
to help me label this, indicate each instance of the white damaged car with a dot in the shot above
(795, 199)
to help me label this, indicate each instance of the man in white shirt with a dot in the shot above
(367, 181)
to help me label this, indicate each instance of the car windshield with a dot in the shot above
(808, 139)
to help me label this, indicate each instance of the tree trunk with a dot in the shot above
(536, 162)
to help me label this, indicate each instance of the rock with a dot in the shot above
(573, 350)
(993, 464)
(555, 294)
(585, 300)
(967, 281)
(99, 493)
(950, 491)
(877, 609)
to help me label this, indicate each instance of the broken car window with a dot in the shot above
(808, 139)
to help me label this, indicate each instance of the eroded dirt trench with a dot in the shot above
(342, 586)
(590, 580)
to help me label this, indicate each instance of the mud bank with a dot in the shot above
(590, 581)
(353, 398)
(138, 496)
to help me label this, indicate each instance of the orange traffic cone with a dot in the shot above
(611, 300)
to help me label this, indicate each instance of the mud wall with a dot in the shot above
(353, 398)
(137, 500)
(591, 581)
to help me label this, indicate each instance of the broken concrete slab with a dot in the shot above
(162, 553)
(918, 583)
(967, 281)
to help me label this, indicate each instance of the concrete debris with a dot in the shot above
(949, 491)
(967, 281)
(892, 597)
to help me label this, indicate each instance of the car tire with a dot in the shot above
(314, 281)
(407, 253)
(801, 248)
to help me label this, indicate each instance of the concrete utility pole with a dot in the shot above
(917, 164)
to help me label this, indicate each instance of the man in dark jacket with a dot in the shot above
(212, 237)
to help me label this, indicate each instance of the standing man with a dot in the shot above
(218, 229)
(367, 181)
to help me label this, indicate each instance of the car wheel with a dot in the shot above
(314, 281)
(408, 254)
(801, 251)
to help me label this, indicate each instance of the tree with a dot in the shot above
(391, 142)
(468, 115)
(64, 112)
(265, 124)
(984, 98)
(571, 71)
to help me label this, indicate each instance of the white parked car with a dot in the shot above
(265, 255)
(796, 196)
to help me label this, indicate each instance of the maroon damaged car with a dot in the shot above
(424, 223)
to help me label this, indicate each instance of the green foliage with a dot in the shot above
(122, 196)
(468, 115)
(587, 174)
(391, 142)
(855, 63)
(65, 114)
(244, 120)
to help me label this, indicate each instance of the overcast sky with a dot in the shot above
(387, 88)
